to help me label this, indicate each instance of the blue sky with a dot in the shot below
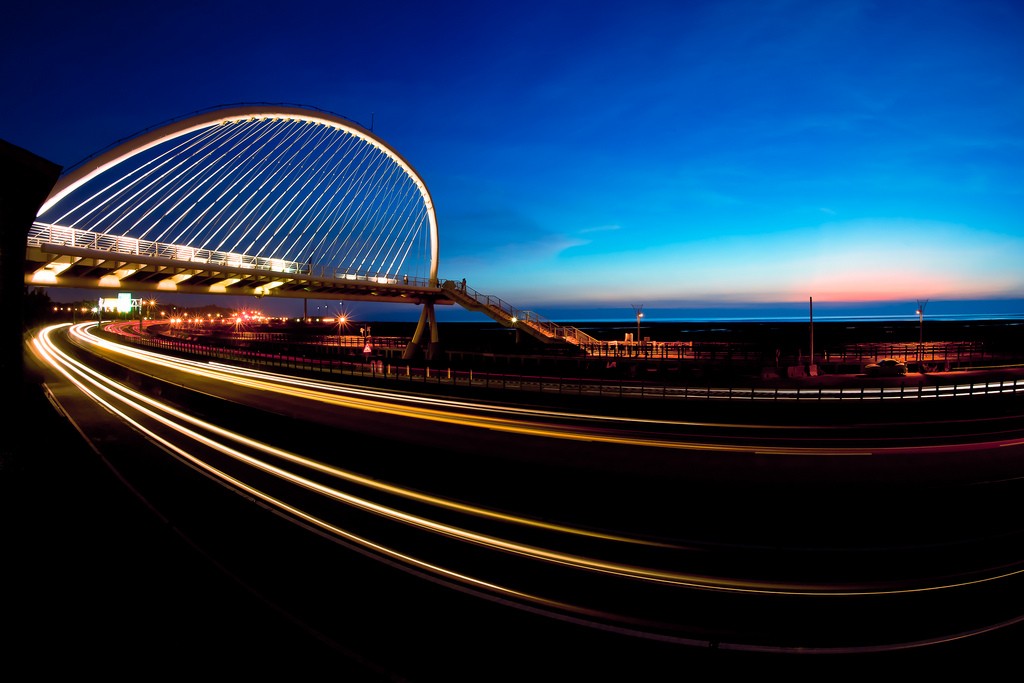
(598, 154)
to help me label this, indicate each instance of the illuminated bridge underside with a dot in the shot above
(89, 268)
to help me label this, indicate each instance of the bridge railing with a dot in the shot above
(570, 334)
(48, 233)
(485, 300)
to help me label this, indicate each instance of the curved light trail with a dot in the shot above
(244, 464)
(480, 415)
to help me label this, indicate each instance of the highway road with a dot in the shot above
(570, 531)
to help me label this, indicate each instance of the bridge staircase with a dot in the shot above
(527, 321)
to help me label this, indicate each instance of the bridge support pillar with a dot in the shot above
(427, 320)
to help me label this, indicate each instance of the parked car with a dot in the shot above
(887, 367)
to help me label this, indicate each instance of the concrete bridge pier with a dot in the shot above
(427, 320)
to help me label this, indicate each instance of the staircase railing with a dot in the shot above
(503, 311)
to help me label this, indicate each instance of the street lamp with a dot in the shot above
(921, 303)
(639, 310)
(152, 305)
(342, 321)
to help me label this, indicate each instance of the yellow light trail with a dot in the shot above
(46, 348)
(451, 412)
(48, 352)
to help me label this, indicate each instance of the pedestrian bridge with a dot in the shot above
(256, 200)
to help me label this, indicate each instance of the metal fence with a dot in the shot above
(400, 372)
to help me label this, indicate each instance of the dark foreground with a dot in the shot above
(98, 582)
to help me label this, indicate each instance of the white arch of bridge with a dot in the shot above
(375, 174)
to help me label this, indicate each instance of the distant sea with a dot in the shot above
(961, 310)
(1010, 309)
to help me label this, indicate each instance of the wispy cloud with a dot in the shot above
(600, 228)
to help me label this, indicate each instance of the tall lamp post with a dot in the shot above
(639, 310)
(342, 322)
(921, 303)
(811, 310)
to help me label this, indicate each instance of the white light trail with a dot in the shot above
(125, 402)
